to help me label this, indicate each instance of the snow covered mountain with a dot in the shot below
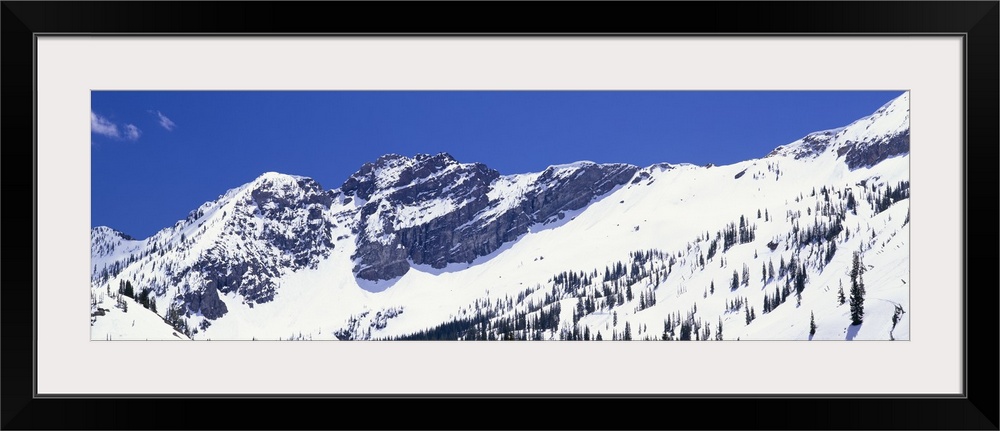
(427, 247)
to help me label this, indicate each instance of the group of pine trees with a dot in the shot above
(891, 195)
(175, 317)
(125, 288)
(689, 328)
(732, 235)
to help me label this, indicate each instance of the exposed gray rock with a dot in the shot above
(385, 252)
(859, 155)
(206, 301)
(812, 145)
(294, 234)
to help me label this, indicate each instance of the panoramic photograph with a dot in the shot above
(500, 215)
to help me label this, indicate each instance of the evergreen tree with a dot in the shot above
(685, 330)
(840, 294)
(711, 288)
(800, 279)
(812, 323)
(857, 291)
(718, 332)
(736, 281)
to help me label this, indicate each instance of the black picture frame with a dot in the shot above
(977, 23)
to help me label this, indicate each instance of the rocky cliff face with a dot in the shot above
(411, 207)
(547, 199)
(432, 210)
(281, 222)
(864, 154)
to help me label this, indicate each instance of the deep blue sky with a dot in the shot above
(147, 173)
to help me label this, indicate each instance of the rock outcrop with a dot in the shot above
(432, 210)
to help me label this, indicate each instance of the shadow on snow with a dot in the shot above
(852, 331)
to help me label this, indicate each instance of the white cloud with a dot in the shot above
(132, 132)
(165, 122)
(102, 126)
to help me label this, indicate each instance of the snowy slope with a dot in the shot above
(131, 322)
(278, 258)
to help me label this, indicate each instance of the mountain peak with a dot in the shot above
(574, 165)
(392, 160)
(107, 231)
(391, 172)
(389, 158)
(442, 156)
(901, 102)
(277, 177)
(865, 142)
